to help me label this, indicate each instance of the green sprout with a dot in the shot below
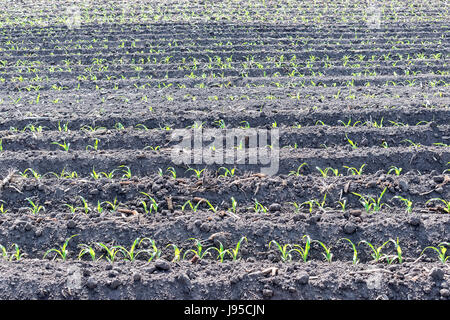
(370, 203)
(198, 173)
(198, 252)
(355, 259)
(395, 169)
(111, 252)
(441, 250)
(35, 208)
(376, 251)
(355, 171)
(62, 251)
(297, 172)
(65, 146)
(445, 202)
(408, 203)
(149, 208)
(327, 254)
(86, 249)
(234, 252)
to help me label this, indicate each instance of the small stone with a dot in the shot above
(42, 293)
(162, 265)
(197, 223)
(433, 125)
(108, 267)
(38, 233)
(414, 221)
(438, 179)
(114, 284)
(379, 173)
(437, 274)
(275, 207)
(439, 190)
(355, 212)
(299, 217)
(113, 274)
(303, 278)
(137, 277)
(372, 184)
(71, 224)
(403, 185)
(314, 219)
(91, 283)
(150, 269)
(444, 293)
(267, 293)
(271, 257)
(349, 228)
(205, 227)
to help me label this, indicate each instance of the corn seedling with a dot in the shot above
(408, 203)
(193, 208)
(394, 169)
(113, 204)
(132, 253)
(221, 251)
(351, 142)
(259, 207)
(126, 172)
(441, 250)
(172, 171)
(95, 175)
(327, 254)
(198, 252)
(62, 252)
(309, 203)
(445, 202)
(324, 172)
(111, 252)
(355, 259)
(343, 204)
(234, 252)
(153, 252)
(376, 251)
(297, 172)
(198, 173)
(176, 253)
(86, 249)
(210, 206)
(227, 172)
(2, 208)
(35, 208)
(152, 206)
(355, 171)
(94, 146)
(99, 207)
(370, 203)
(108, 175)
(34, 173)
(72, 208)
(65, 146)
(11, 256)
(398, 249)
(303, 251)
(285, 250)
